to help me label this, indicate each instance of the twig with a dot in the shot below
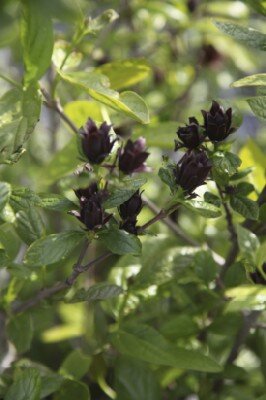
(55, 105)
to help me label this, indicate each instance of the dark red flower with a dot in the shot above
(96, 142)
(190, 135)
(217, 122)
(192, 170)
(132, 207)
(133, 156)
(91, 212)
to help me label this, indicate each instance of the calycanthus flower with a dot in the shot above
(217, 122)
(190, 135)
(132, 156)
(192, 170)
(96, 142)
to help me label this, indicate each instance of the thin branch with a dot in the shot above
(55, 105)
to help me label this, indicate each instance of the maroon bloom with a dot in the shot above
(192, 170)
(217, 122)
(190, 135)
(129, 211)
(96, 142)
(133, 156)
(91, 212)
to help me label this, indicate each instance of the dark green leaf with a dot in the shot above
(166, 175)
(55, 202)
(53, 248)
(99, 291)
(244, 188)
(179, 326)
(121, 194)
(128, 372)
(145, 343)
(248, 244)
(225, 162)
(120, 242)
(29, 225)
(37, 39)
(20, 332)
(75, 365)
(204, 265)
(27, 386)
(71, 390)
(246, 207)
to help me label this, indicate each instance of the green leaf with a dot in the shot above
(178, 326)
(145, 343)
(95, 25)
(29, 225)
(120, 242)
(244, 206)
(202, 208)
(55, 202)
(4, 259)
(53, 248)
(79, 111)
(244, 188)
(251, 80)
(248, 36)
(121, 194)
(63, 162)
(125, 73)
(27, 386)
(100, 291)
(72, 390)
(128, 372)
(37, 39)
(75, 365)
(22, 197)
(5, 191)
(166, 175)
(19, 113)
(20, 332)
(225, 163)
(97, 86)
(248, 244)
(160, 134)
(205, 266)
(258, 106)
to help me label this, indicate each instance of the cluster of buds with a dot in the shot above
(217, 126)
(194, 167)
(91, 213)
(129, 211)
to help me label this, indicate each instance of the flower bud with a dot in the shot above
(133, 156)
(217, 122)
(132, 207)
(96, 142)
(190, 134)
(91, 211)
(130, 226)
(192, 170)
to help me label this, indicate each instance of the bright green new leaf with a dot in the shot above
(37, 39)
(97, 86)
(252, 80)
(80, 110)
(120, 242)
(26, 386)
(250, 37)
(145, 343)
(125, 73)
(53, 248)
(20, 332)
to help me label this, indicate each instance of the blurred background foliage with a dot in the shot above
(174, 56)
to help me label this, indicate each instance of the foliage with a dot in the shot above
(132, 200)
